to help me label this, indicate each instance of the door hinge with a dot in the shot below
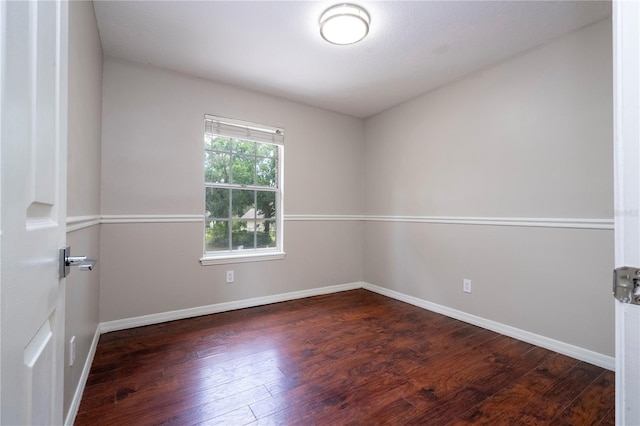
(626, 285)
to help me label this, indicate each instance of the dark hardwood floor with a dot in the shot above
(347, 358)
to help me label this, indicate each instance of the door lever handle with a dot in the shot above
(84, 263)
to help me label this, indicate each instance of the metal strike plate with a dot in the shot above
(626, 285)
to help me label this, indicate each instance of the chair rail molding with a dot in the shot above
(75, 223)
(539, 222)
(79, 222)
(153, 218)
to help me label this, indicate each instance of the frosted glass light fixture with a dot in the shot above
(344, 24)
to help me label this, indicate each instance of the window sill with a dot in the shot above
(241, 258)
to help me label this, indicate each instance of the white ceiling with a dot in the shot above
(275, 47)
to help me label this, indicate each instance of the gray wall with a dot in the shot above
(530, 137)
(83, 183)
(152, 160)
(527, 138)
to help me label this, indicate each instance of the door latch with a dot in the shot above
(626, 285)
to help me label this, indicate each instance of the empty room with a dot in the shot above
(250, 212)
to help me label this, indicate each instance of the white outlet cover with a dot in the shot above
(230, 277)
(466, 286)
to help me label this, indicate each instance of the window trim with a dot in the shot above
(241, 258)
(276, 136)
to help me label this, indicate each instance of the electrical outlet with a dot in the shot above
(72, 351)
(466, 285)
(230, 277)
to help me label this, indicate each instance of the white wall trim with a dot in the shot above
(140, 321)
(80, 222)
(153, 218)
(541, 222)
(576, 352)
(75, 223)
(321, 217)
(77, 396)
(242, 258)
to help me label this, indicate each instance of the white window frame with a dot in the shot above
(244, 130)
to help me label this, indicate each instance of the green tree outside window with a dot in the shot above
(241, 184)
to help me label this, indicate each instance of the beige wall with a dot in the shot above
(83, 183)
(529, 138)
(152, 158)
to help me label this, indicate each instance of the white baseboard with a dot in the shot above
(576, 352)
(77, 396)
(140, 321)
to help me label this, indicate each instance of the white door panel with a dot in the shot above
(39, 356)
(33, 122)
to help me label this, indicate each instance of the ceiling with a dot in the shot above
(274, 47)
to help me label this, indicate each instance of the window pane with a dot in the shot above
(216, 203)
(242, 235)
(266, 233)
(217, 143)
(216, 167)
(266, 150)
(216, 235)
(243, 203)
(266, 172)
(266, 206)
(244, 147)
(243, 171)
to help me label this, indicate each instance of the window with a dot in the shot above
(242, 191)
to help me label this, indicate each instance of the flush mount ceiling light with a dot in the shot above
(344, 24)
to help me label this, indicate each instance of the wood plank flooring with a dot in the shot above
(347, 358)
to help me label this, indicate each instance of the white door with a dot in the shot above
(626, 55)
(33, 121)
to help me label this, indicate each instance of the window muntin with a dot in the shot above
(242, 171)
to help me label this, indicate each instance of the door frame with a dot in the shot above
(626, 112)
